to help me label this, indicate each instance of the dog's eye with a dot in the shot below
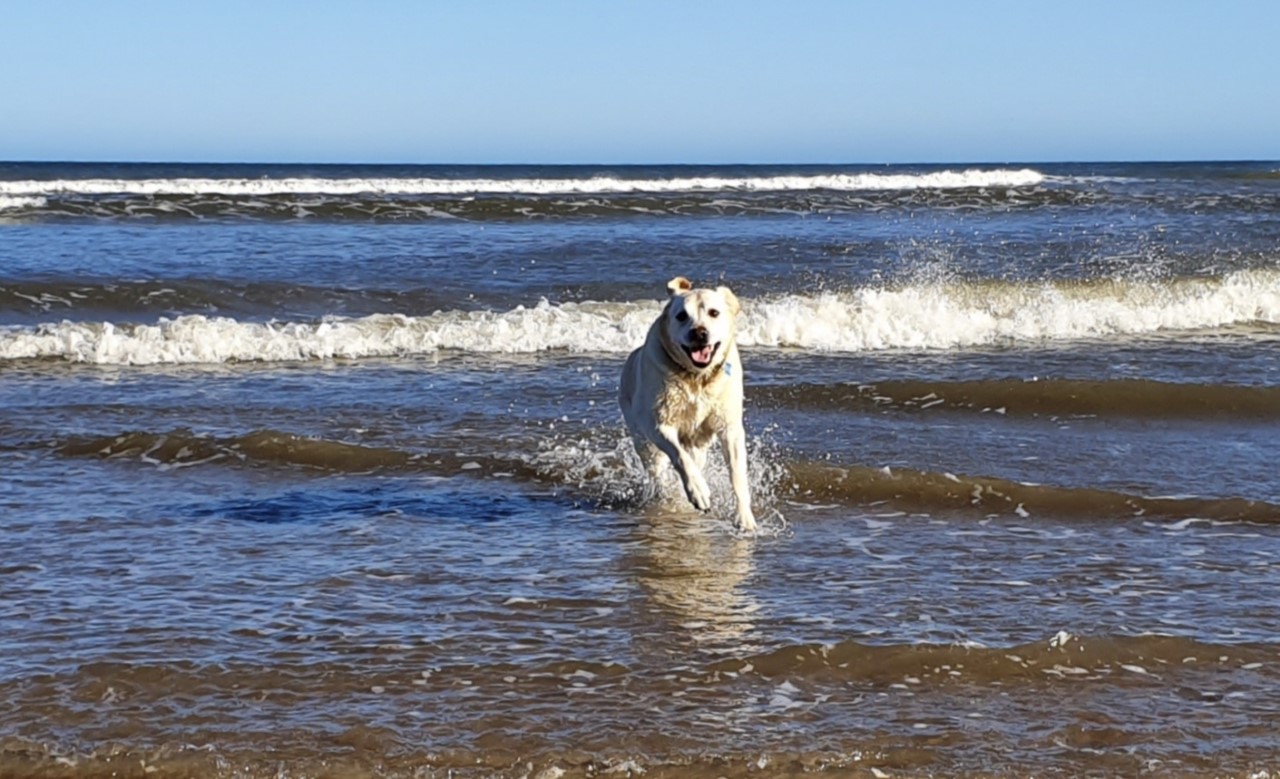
(682, 317)
(713, 312)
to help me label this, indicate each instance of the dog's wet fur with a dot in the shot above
(683, 388)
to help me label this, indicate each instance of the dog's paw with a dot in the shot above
(698, 492)
(747, 521)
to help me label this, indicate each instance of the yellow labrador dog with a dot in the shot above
(683, 387)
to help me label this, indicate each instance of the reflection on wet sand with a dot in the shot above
(696, 573)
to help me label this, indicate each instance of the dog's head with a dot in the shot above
(697, 324)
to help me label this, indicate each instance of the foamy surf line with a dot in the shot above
(15, 202)
(945, 179)
(931, 316)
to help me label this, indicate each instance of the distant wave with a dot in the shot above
(926, 316)
(178, 193)
(946, 179)
(35, 300)
(1143, 398)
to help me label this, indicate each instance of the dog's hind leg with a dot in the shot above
(655, 469)
(651, 459)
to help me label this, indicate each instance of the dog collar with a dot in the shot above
(728, 369)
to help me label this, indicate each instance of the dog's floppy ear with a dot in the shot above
(679, 284)
(731, 299)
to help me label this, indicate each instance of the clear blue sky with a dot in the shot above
(646, 81)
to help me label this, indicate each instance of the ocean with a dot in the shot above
(318, 471)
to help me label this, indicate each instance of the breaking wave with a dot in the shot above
(924, 316)
(946, 179)
(14, 202)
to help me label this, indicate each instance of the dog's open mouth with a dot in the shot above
(701, 357)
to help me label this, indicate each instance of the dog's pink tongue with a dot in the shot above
(703, 355)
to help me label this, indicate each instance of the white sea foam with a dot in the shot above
(945, 179)
(926, 316)
(15, 202)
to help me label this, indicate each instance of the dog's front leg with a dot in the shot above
(695, 486)
(734, 441)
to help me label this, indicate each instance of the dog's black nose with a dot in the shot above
(698, 335)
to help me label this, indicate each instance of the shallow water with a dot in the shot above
(330, 483)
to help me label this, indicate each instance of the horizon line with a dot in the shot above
(1103, 161)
